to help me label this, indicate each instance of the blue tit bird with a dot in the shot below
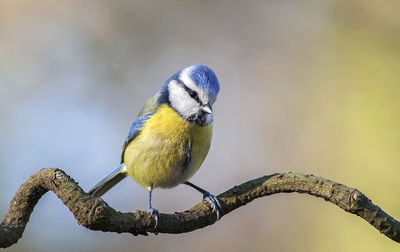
(171, 136)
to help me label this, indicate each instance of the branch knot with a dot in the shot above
(96, 214)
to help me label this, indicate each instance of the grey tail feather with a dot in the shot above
(109, 181)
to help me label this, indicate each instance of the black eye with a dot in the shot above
(193, 94)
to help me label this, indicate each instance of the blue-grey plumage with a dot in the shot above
(171, 136)
(109, 181)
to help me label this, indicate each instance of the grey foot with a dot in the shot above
(156, 214)
(214, 202)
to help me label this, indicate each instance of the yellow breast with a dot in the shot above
(158, 156)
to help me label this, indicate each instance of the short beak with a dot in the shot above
(207, 108)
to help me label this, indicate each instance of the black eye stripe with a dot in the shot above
(191, 92)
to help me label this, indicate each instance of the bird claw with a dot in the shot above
(214, 202)
(156, 214)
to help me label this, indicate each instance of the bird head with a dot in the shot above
(192, 92)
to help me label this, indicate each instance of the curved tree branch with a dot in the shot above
(95, 214)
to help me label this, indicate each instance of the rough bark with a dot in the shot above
(95, 214)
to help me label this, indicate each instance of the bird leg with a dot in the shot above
(213, 200)
(153, 211)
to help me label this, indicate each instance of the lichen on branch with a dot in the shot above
(95, 214)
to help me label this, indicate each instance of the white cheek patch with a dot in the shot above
(181, 101)
(185, 78)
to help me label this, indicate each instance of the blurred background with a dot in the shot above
(306, 86)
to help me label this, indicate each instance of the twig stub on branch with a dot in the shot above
(95, 214)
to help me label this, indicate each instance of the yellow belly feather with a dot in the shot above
(155, 157)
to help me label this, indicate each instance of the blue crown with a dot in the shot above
(205, 78)
(202, 75)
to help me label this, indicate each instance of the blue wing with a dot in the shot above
(134, 131)
(147, 111)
